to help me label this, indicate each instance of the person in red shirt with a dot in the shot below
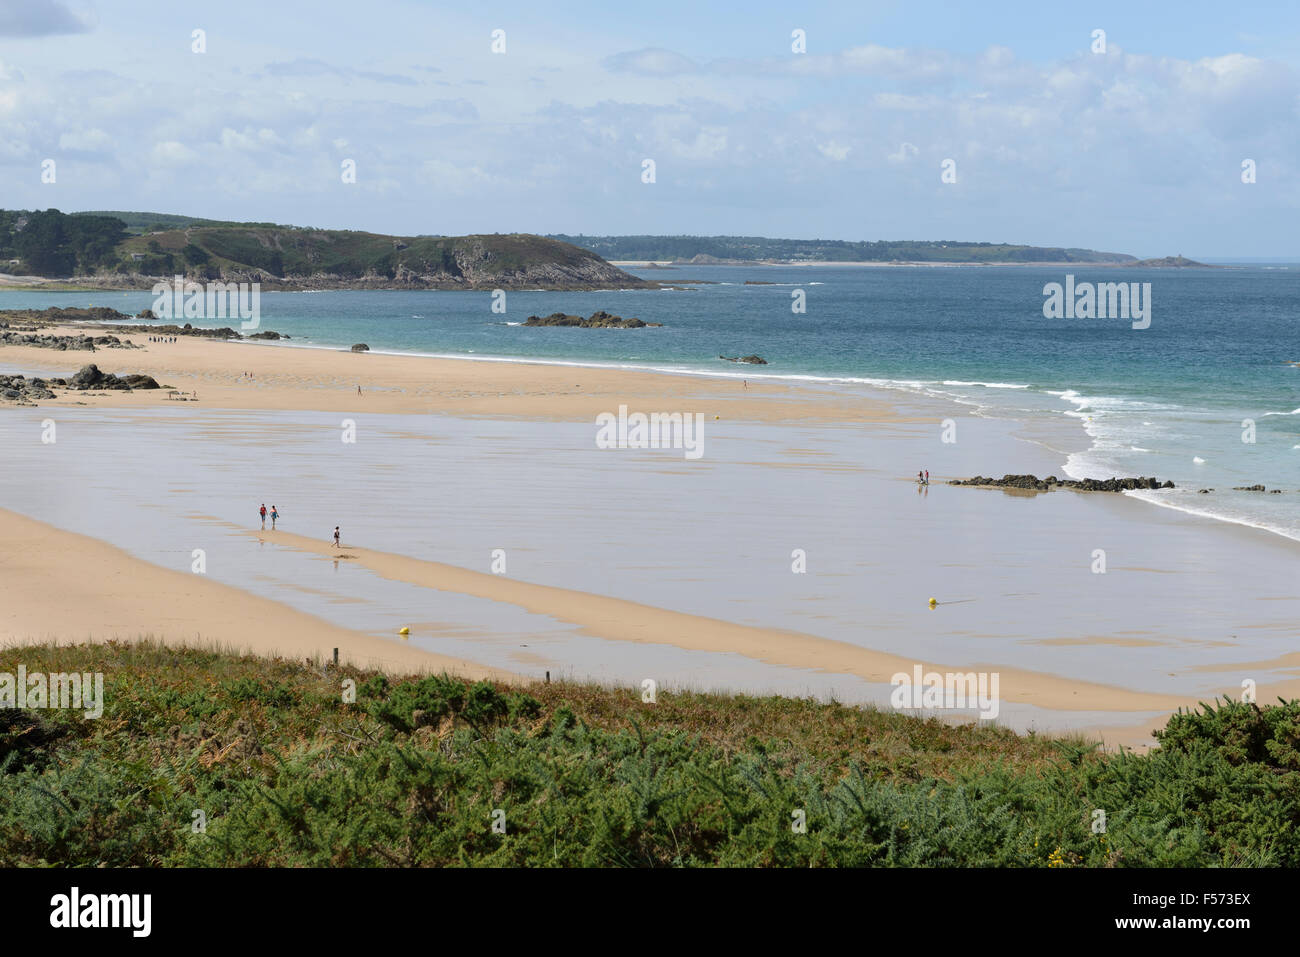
(262, 512)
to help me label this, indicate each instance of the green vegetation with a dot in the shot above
(750, 248)
(286, 773)
(159, 222)
(137, 247)
(51, 244)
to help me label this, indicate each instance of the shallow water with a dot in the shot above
(1142, 402)
(714, 536)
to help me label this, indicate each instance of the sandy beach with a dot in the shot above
(129, 592)
(287, 377)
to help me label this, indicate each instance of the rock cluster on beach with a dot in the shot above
(90, 377)
(360, 347)
(24, 390)
(55, 314)
(600, 319)
(1034, 483)
(63, 343)
(751, 360)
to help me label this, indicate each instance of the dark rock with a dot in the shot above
(268, 334)
(140, 382)
(1033, 483)
(752, 360)
(1249, 488)
(360, 347)
(63, 343)
(600, 319)
(88, 377)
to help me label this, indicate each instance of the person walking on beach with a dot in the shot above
(927, 476)
(274, 515)
(336, 536)
(262, 511)
(920, 477)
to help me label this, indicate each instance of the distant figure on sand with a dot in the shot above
(920, 477)
(274, 515)
(262, 512)
(336, 536)
(358, 390)
(927, 478)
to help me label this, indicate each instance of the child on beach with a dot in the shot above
(336, 536)
(274, 515)
(262, 512)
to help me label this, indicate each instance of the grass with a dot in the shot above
(279, 770)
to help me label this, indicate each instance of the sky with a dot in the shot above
(1052, 135)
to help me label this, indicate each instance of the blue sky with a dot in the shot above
(1137, 149)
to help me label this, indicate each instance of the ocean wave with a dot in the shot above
(987, 385)
(1293, 412)
(1164, 499)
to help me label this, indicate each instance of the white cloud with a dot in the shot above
(87, 141)
(834, 151)
(172, 152)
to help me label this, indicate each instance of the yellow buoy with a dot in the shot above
(933, 603)
(404, 631)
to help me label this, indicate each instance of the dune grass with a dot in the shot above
(206, 758)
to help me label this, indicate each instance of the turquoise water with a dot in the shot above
(1168, 401)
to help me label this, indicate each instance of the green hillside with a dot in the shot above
(154, 222)
(117, 251)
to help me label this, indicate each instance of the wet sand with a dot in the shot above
(64, 587)
(1182, 615)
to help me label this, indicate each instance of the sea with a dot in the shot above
(1207, 395)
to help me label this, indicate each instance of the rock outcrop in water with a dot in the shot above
(751, 360)
(1034, 483)
(600, 319)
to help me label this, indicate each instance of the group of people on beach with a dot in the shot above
(923, 477)
(274, 514)
(162, 338)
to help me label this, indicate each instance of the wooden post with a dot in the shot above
(336, 657)
(548, 677)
